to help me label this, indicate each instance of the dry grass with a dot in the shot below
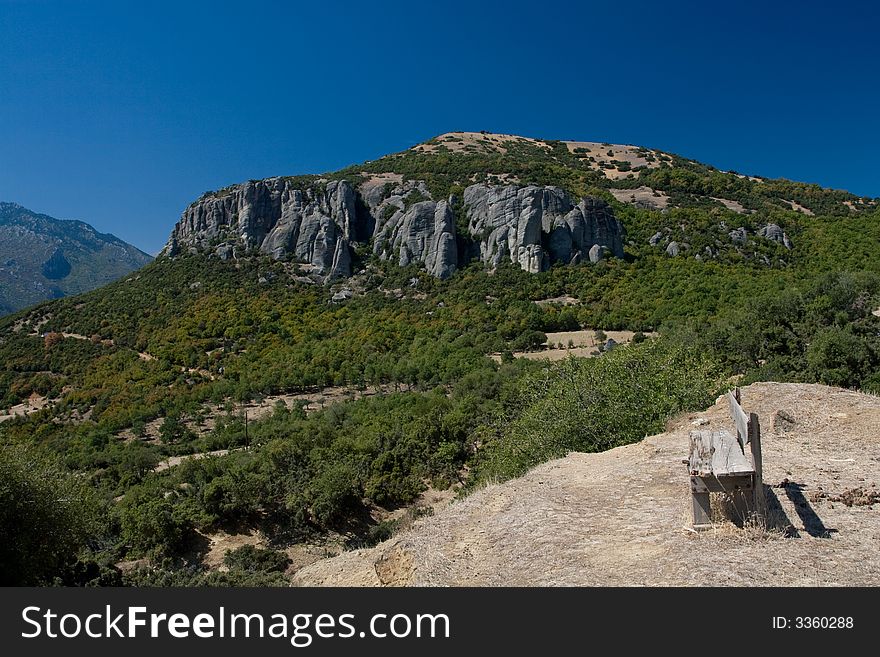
(644, 197)
(486, 142)
(622, 517)
(584, 344)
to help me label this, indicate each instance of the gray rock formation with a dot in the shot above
(596, 253)
(775, 233)
(320, 222)
(515, 223)
(314, 224)
(423, 233)
(739, 236)
(673, 249)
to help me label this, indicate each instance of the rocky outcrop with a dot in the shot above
(775, 233)
(313, 224)
(536, 226)
(424, 233)
(319, 223)
(739, 235)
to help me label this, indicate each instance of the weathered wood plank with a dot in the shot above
(740, 419)
(728, 458)
(711, 484)
(701, 451)
(702, 510)
(757, 463)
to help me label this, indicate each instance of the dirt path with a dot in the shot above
(622, 517)
(177, 460)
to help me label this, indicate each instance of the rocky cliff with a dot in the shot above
(538, 226)
(319, 223)
(312, 224)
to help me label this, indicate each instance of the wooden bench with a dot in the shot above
(721, 462)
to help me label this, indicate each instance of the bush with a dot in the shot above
(152, 527)
(47, 516)
(253, 559)
(838, 358)
(591, 405)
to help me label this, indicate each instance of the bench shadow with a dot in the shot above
(777, 519)
(812, 523)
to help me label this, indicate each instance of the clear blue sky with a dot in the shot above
(121, 113)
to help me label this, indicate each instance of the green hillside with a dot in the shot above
(164, 362)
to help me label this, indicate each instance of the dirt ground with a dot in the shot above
(482, 141)
(736, 206)
(622, 517)
(33, 404)
(601, 160)
(797, 207)
(584, 345)
(644, 197)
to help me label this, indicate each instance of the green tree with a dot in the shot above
(47, 516)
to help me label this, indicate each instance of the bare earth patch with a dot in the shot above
(486, 142)
(797, 207)
(177, 460)
(32, 404)
(221, 542)
(583, 345)
(622, 517)
(564, 300)
(642, 197)
(730, 205)
(603, 157)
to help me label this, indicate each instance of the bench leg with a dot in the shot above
(702, 518)
(744, 503)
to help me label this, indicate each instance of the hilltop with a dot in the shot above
(45, 258)
(621, 517)
(465, 196)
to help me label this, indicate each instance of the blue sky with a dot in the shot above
(121, 113)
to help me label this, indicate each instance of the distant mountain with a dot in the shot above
(45, 258)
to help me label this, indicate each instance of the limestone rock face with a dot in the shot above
(739, 236)
(319, 223)
(423, 233)
(536, 226)
(313, 224)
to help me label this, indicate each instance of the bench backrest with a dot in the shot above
(748, 432)
(740, 419)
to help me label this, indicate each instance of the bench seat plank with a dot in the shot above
(729, 459)
(717, 454)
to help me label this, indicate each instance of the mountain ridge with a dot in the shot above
(42, 257)
(537, 202)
